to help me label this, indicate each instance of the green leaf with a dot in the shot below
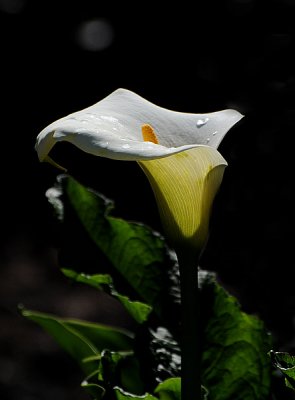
(84, 341)
(122, 395)
(235, 363)
(103, 336)
(134, 249)
(138, 310)
(286, 364)
(170, 389)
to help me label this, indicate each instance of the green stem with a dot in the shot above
(191, 338)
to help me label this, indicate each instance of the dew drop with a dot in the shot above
(202, 122)
(214, 133)
(109, 118)
(208, 140)
(90, 115)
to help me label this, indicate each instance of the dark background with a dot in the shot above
(60, 56)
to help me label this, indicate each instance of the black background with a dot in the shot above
(201, 57)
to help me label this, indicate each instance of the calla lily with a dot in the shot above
(112, 128)
(176, 150)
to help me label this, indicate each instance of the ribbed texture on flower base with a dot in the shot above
(185, 185)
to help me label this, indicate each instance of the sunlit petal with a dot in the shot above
(106, 145)
(176, 150)
(185, 186)
(112, 128)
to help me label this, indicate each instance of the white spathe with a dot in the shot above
(112, 128)
(178, 155)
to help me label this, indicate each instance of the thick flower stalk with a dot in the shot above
(177, 152)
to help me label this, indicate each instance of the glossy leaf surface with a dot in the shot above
(138, 310)
(235, 362)
(82, 340)
(137, 253)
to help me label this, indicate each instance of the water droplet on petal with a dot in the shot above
(90, 115)
(126, 146)
(208, 140)
(109, 118)
(202, 122)
(214, 133)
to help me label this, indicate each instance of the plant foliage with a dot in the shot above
(143, 276)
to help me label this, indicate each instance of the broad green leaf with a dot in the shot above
(71, 340)
(103, 336)
(122, 395)
(169, 389)
(286, 364)
(138, 310)
(134, 249)
(235, 363)
(84, 341)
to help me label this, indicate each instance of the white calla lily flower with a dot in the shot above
(176, 150)
(112, 128)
